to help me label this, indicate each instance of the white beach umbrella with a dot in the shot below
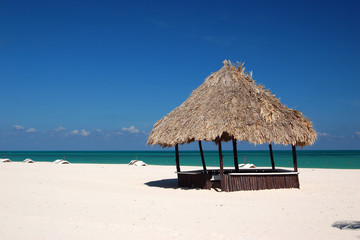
(28, 160)
(5, 160)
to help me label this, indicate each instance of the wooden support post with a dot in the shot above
(221, 159)
(177, 157)
(236, 162)
(202, 156)
(272, 157)
(222, 178)
(294, 158)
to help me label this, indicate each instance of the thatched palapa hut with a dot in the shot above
(230, 106)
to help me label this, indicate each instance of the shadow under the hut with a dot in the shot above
(347, 225)
(167, 183)
(164, 183)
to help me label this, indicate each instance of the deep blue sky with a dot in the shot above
(96, 75)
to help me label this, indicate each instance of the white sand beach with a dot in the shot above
(94, 201)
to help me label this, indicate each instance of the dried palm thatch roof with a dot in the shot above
(230, 104)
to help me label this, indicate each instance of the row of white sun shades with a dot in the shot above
(61, 161)
(28, 160)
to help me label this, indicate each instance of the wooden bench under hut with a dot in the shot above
(230, 106)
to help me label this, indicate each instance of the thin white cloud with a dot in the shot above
(75, 132)
(83, 132)
(323, 134)
(328, 136)
(356, 135)
(31, 130)
(131, 129)
(18, 127)
(59, 129)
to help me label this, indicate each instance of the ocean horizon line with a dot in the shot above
(340, 159)
(185, 150)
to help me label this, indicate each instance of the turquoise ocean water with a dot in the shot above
(306, 158)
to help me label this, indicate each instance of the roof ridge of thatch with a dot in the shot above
(230, 104)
